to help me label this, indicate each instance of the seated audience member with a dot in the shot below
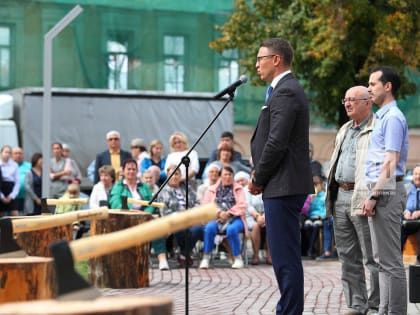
(101, 190)
(129, 186)
(255, 219)
(316, 213)
(225, 138)
(179, 148)
(174, 196)
(10, 183)
(411, 216)
(33, 186)
(213, 174)
(303, 215)
(230, 198)
(149, 178)
(73, 192)
(138, 152)
(155, 158)
(328, 236)
(225, 158)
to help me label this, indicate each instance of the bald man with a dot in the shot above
(345, 195)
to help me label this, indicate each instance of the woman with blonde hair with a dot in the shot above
(155, 158)
(178, 142)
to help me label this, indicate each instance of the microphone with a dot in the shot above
(231, 88)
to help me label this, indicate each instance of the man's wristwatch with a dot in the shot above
(373, 197)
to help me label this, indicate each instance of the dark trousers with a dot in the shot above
(282, 217)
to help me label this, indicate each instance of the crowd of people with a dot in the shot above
(138, 174)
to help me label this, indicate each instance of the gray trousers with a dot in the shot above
(354, 248)
(386, 236)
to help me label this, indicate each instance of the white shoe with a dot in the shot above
(204, 264)
(238, 263)
(163, 264)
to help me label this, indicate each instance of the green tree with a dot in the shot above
(336, 42)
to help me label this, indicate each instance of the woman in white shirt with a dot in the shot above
(178, 143)
(100, 191)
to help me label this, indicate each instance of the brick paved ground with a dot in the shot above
(222, 290)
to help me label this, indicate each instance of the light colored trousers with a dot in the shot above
(386, 240)
(354, 248)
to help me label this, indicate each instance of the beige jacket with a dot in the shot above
(360, 191)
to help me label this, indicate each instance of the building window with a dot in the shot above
(117, 65)
(228, 68)
(5, 47)
(173, 47)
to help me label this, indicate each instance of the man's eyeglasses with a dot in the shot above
(352, 99)
(259, 58)
(114, 139)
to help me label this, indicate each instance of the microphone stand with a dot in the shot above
(186, 162)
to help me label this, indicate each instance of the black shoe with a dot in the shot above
(182, 261)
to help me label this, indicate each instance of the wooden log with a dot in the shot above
(37, 243)
(28, 278)
(117, 305)
(145, 203)
(410, 249)
(127, 268)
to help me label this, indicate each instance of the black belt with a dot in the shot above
(346, 186)
(399, 178)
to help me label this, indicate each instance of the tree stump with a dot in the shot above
(28, 278)
(37, 243)
(121, 305)
(128, 268)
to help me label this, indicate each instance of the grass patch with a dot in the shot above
(82, 268)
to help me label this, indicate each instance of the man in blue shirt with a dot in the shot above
(24, 167)
(385, 204)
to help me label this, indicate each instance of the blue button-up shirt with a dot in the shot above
(390, 133)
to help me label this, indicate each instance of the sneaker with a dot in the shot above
(205, 262)
(238, 263)
(222, 255)
(163, 264)
(326, 257)
(372, 312)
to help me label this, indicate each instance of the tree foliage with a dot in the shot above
(336, 42)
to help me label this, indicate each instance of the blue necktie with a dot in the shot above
(268, 92)
(418, 200)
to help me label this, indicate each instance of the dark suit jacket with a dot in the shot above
(104, 158)
(280, 143)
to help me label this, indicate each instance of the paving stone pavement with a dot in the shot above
(252, 290)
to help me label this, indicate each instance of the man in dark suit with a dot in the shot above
(280, 153)
(113, 156)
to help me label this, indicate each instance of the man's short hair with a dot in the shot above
(112, 133)
(282, 47)
(226, 134)
(389, 75)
